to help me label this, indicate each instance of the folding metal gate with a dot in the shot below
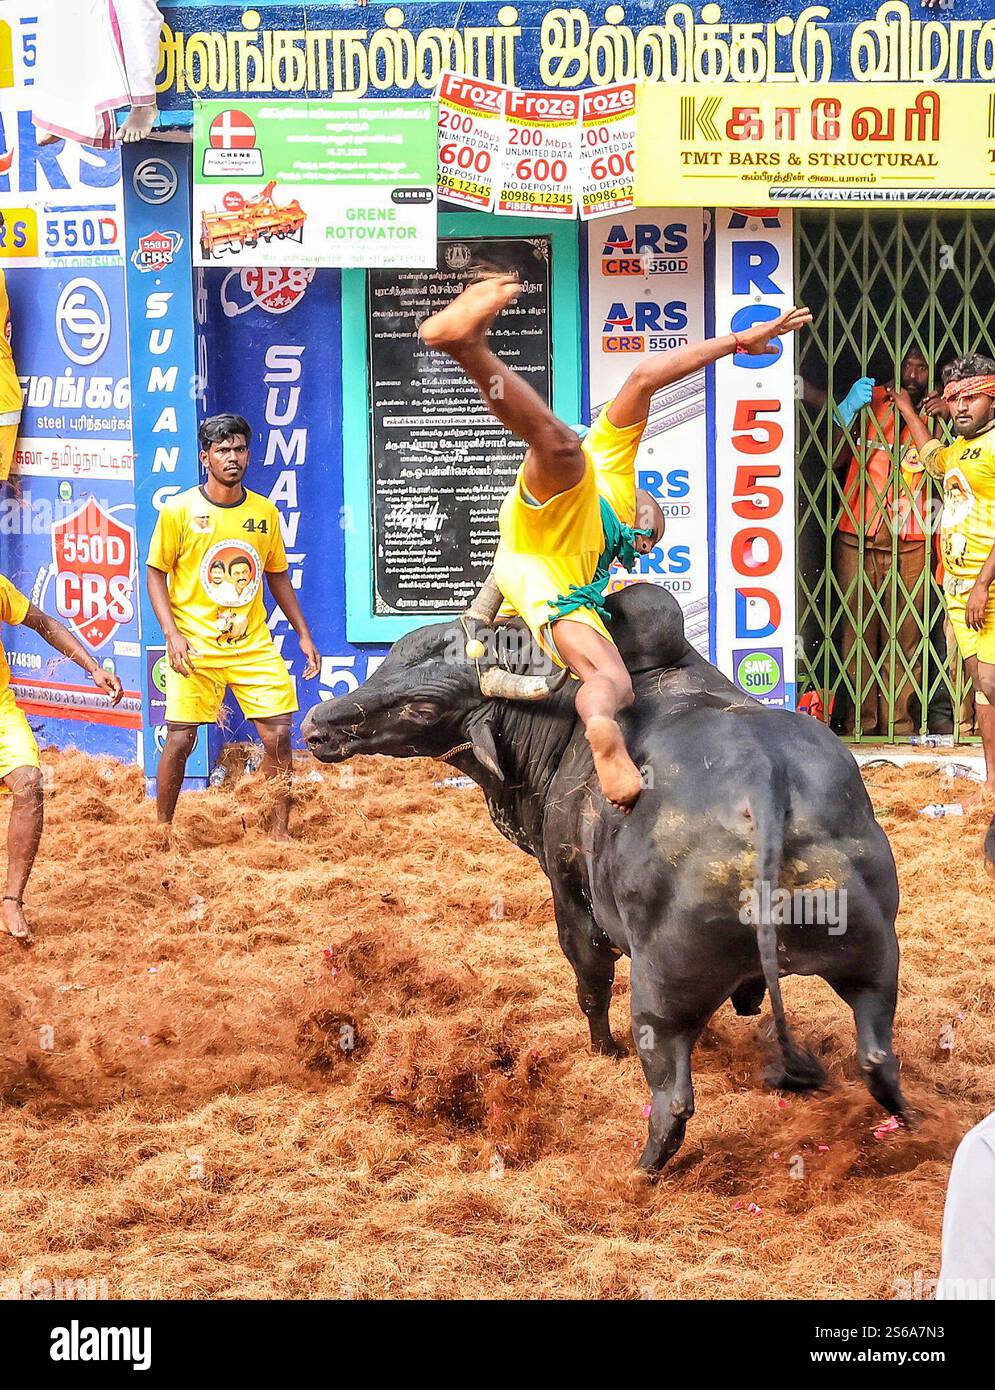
(879, 285)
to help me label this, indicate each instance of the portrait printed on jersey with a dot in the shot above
(958, 500)
(230, 575)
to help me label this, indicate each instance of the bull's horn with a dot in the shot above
(499, 684)
(486, 605)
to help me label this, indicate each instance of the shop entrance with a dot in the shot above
(873, 655)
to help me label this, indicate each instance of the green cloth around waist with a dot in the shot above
(619, 545)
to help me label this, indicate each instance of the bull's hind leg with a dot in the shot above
(665, 1033)
(873, 1008)
(590, 953)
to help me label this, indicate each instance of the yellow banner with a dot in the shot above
(893, 144)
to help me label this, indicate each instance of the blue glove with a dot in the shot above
(855, 399)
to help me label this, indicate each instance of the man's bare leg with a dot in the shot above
(554, 461)
(27, 815)
(278, 761)
(180, 740)
(605, 689)
(982, 675)
(986, 727)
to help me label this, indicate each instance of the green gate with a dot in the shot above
(871, 638)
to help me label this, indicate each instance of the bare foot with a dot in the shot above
(617, 773)
(471, 313)
(139, 123)
(16, 922)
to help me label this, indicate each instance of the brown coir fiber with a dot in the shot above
(354, 1066)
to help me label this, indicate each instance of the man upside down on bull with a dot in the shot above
(746, 808)
(574, 506)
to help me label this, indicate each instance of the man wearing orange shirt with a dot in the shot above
(874, 508)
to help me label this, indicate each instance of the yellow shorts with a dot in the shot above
(973, 642)
(17, 742)
(8, 441)
(259, 680)
(546, 549)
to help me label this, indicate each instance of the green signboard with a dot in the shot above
(315, 183)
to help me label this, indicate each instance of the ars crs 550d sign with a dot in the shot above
(754, 460)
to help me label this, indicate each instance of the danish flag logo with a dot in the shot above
(232, 130)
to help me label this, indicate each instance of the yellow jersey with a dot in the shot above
(548, 548)
(967, 526)
(11, 398)
(13, 609)
(215, 557)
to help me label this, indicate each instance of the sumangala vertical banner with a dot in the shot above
(646, 296)
(754, 459)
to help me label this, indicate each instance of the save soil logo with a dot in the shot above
(761, 674)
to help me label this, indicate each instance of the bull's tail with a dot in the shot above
(800, 1070)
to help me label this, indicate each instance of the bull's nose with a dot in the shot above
(309, 729)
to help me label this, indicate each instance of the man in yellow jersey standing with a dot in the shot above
(19, 765)
(966, 470)
(574, 506)
(211, 547)
(11, 399)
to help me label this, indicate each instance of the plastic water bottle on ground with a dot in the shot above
(932, 740)
(937, 809)
(217, 776)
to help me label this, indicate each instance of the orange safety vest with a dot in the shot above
(876, 471)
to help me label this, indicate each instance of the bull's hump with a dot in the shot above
(647, 626)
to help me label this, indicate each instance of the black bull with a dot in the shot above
(740, 804)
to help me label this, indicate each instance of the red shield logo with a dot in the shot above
(156, 250)
(94, 557)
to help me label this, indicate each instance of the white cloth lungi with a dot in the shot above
(93, 57)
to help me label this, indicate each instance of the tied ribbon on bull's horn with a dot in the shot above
(496, 682)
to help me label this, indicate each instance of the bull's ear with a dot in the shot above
(484, 747)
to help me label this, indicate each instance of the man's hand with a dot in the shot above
(976, 606)
(901, 399)
(312, 662)
(756, 339)
(935, 406)
(108, 683)
(180, 654)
